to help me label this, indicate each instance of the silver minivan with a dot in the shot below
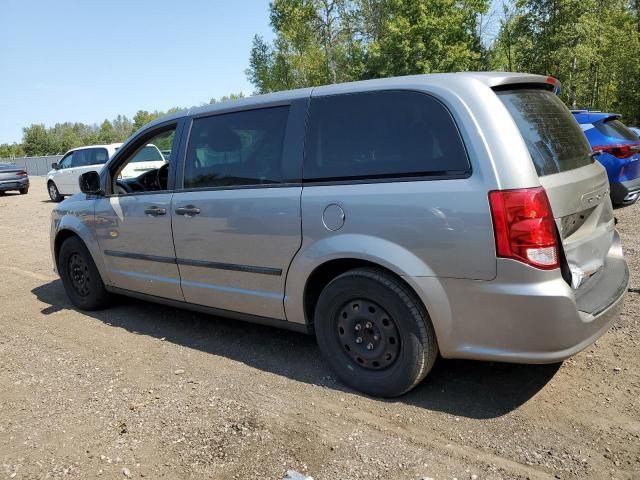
(461, 214)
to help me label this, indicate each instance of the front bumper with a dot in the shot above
(625, 193)
(16, 184)
(531, 316)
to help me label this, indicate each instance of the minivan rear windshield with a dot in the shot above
(554, 138)
(616, 129)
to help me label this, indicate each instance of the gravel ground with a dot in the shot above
(141, 390)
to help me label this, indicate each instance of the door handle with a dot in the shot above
(155, 211)
(188, 211)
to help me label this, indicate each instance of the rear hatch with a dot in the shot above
(577, 185)
(620, 141)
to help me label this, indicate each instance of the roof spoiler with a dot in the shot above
(511, 81)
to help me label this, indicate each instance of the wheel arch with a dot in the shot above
(61, 237)
(71, 225)
(324, 273)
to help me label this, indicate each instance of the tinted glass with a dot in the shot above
(382, 134)
(616, 129)
(150, 153)
(8, 166)
(552, 135)
(66, 161)
(89, 156)
(241, 148)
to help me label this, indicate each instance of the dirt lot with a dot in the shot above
(142, 390)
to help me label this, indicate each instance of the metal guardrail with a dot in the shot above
(36, 166)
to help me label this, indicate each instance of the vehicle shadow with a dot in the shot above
(461, 388)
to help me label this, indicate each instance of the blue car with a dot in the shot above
(617, 147)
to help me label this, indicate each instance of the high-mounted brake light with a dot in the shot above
(626, 150)
(524, 227)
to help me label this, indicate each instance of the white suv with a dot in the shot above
(62, 180)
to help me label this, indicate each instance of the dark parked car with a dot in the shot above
(13, 178)
(618, 149)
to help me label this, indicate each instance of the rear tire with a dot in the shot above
(54, 194)
(80, 276)
(24, 191)
(374, 332)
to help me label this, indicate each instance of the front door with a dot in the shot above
(236, 223)
(133, 223)
(62, 176)
(84, 160)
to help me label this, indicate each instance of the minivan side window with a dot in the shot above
(382, 135)
(240, 148)
(90, 156)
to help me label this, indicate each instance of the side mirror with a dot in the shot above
(90, 183)
(55, 166)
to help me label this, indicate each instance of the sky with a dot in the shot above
(84, 61)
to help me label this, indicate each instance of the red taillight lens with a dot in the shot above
(620, 151)
(524, 227)
(22, 173)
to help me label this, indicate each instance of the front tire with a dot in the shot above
(54, 194)
(80, 276)
(374, 332)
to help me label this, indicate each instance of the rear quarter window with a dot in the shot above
(555, 141)
(382, 135)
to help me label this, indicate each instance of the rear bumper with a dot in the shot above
(625, 193)
(6, 185)
(529, 317)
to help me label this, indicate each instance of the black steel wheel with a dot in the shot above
(368, 333)
(374, 332)
(80, 276)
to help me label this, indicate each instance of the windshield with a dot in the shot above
(554, 138)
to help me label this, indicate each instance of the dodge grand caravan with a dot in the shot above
(460, 214)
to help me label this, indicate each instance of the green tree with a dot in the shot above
(122, 128)
(586, 44)
(107, 134)
(142, 117)
(425, 36)
(36, 141)
(11, 150)
(328, 41)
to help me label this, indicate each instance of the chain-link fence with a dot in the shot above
(36, 166)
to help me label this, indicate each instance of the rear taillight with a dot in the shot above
(524, 227)
(22, 173)
(619, 151)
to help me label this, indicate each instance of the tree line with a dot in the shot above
(591, 46)
(40, 140)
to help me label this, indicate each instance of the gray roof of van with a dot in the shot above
(490, 79)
